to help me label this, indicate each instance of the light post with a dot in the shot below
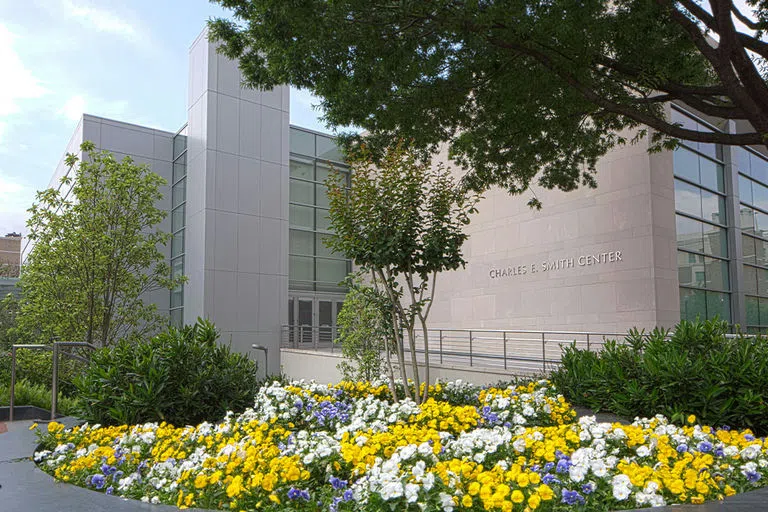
(266, 357)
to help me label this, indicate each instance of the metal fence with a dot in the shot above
(520, 351)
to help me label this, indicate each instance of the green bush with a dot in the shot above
(697, 370)
(28, 393)
(181, 376)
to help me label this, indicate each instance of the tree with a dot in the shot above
(96, 251)
(365, 331)
(401, 221)
(517, 87)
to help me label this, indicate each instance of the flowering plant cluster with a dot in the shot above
(347, 447)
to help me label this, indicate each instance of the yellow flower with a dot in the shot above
(517, 496)
(692, 419)
(33, 426)
(545, 492)
(698, 499)
(201, 481)
(466, 501)
(534, 501)
(474, 488)
(54, 427)
(235, 488)
(729, 491)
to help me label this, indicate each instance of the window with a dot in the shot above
(312, 266)
(702, 223)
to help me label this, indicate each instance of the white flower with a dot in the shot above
(411, 492)
(621, 492)
(643, 451)
(446, 502)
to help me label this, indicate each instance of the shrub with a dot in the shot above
(28, 393)
(697, 370)
(364, 328)
(181, 376)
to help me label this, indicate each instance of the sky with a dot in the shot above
(116, 59)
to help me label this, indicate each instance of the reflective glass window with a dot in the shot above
(715, 241)
(301, 242)
(178, 193)
(687, 198)
(713, 207)
(745, 190)
(711, 174)
(302, 142)
(693, 304)
(689, 234)
(302, 169)
(719, 305)
(686, 164)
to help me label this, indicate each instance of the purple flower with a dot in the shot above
(550, 479)
(110, 490)
(563, 465)
(97, 481)
(719, 452)
(753, 476)
(682, 448)
(347, 496)
(705, 447)
(548, 466)
(572, 497)
(296, 494)
(588, 488)
(749, 437)
(338, 483)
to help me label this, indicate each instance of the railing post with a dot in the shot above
(55, 383)
(441, 346)
(505, 350)
(587, 342)
(13, 382)
(315, 336)
(470, 348)
(543, 352)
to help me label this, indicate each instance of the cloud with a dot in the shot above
(73, 108)
(15, 198)
(100, 19)
(17, 83)
(77, 105)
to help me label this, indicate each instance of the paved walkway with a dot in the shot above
(25, 488)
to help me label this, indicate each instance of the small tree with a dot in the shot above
(402, 222)
(365, 331)
(96, 251)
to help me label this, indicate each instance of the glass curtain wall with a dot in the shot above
(702, 227)
(753, 213)
(312, 266)
(178, 221)
(314, 271)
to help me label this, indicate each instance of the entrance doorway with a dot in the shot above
(312, 320)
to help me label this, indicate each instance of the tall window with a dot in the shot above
(312, 266)
(178, 221)
(702, 244)
(753, 213)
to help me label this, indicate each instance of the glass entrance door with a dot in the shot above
(313, 319)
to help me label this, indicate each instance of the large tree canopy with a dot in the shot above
(516, 87)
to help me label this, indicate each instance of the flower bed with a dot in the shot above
(347, 447)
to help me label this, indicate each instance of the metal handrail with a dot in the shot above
(524, 349)
(55, 347)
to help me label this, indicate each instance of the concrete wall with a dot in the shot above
(145, 146)
(237, 203)
(536, 269)
(321, 367)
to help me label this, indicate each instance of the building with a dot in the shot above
(670, 235)
(246, 202)
(10, 263)
(10, 255)
(664, 236)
